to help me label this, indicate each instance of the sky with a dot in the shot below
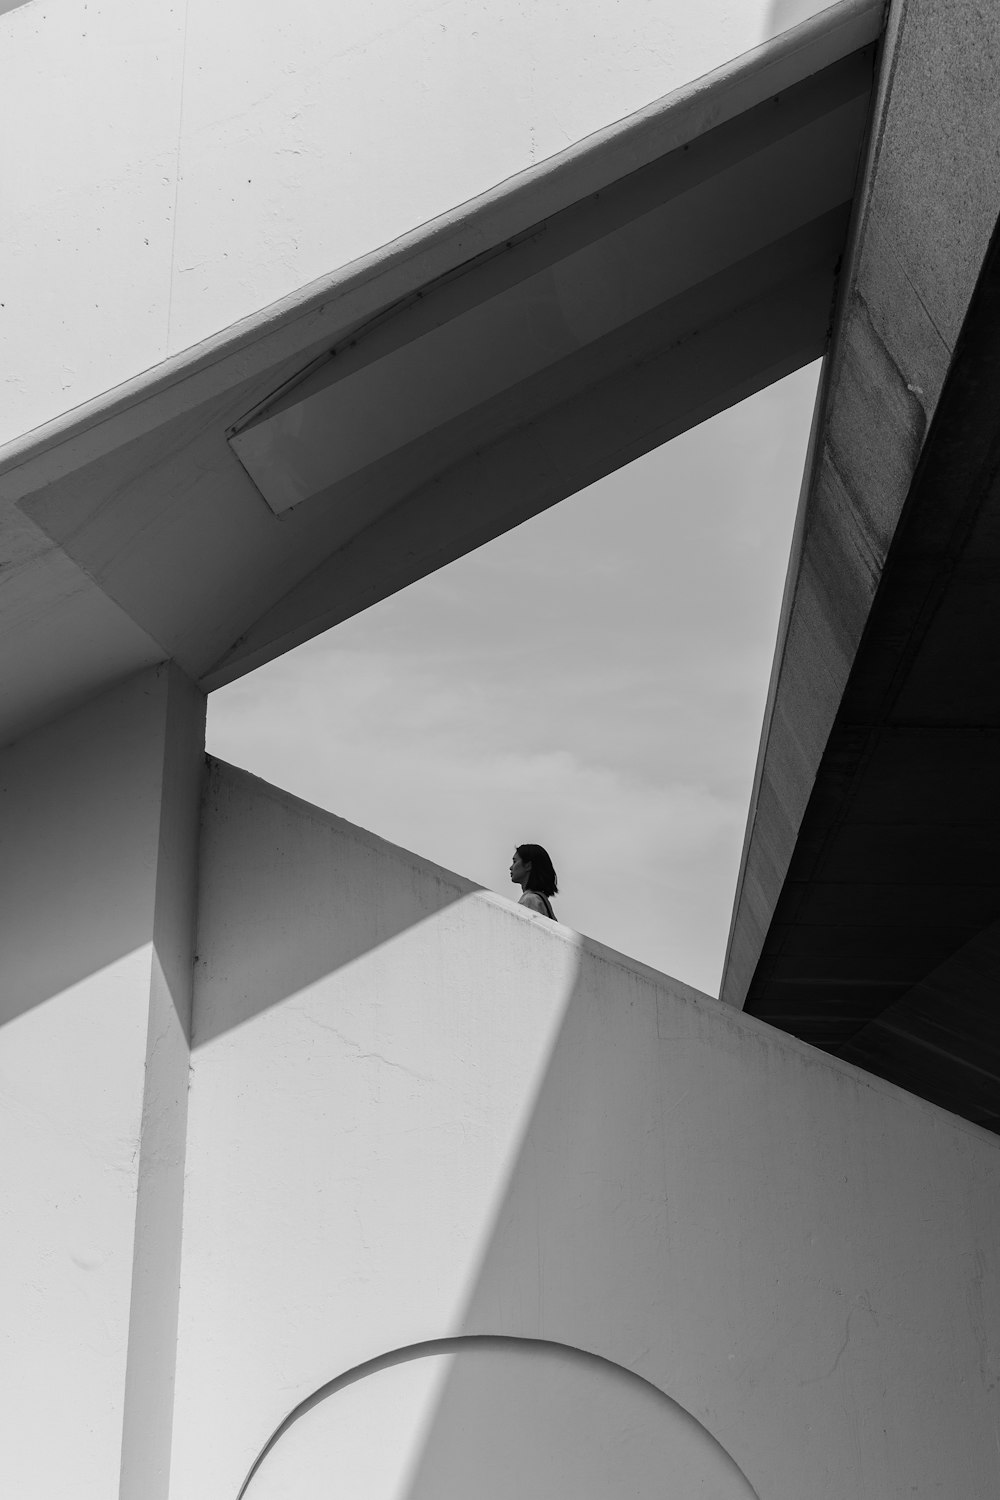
(593, 681)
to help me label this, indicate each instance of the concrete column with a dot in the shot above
(99, 812)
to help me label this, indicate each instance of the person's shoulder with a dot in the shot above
(534, 902)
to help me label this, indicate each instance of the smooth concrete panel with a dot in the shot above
(178, 167)
(91, 928)
(63, 640)
(721, 208)
(141, 491)
(71, 1074)
(339, 916)
(419, 1112)
(80, 823)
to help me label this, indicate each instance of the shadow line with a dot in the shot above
(291, 893)
(454, 1345)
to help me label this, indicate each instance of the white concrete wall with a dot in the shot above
(419, 1113)
(171, 167)
(98, 813)
(498, 1419)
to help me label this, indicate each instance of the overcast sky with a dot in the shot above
(593, 681)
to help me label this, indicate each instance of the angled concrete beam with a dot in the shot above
(588, 310)
(929, 203)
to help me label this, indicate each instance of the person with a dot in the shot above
(533, 871)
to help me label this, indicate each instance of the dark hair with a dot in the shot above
(543, 875)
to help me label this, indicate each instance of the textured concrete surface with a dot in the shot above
(876, 948)
(928, 206)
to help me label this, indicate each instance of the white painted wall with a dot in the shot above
(420, 1113)
(171, 167)
(98, 813)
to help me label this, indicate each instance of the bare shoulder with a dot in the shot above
(534, 902)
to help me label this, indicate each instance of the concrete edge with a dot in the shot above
(730, 984)
(672, 989)
(324, 309)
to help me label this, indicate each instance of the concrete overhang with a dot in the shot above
(265, 486)
(865, 918)
(884, 946)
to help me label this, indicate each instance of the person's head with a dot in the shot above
(532, 870)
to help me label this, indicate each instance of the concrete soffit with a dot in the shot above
(883, 944)
(279, 478)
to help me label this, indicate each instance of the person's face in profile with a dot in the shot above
(520, 869)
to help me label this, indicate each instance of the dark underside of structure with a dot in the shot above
(884, 948)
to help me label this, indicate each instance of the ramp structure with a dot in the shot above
(326, 1169)
(867, 900)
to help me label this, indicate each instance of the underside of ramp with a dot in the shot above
(260, 489)
(866, 915)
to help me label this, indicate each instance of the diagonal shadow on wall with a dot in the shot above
(708, 1205)
(290, 894)
(469, 1122)
(519, 1418)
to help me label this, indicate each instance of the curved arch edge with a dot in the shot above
(455, 1344)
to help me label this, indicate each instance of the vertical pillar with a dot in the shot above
(152, 1340)
(99, 812)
